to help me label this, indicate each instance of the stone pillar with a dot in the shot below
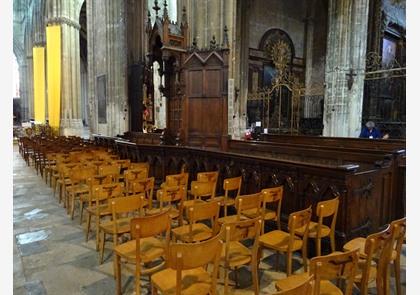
(66, 14)
(71, 119)
(345, 67)
(23, 87)
(30, 87)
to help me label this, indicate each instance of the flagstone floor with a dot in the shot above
(51, 256)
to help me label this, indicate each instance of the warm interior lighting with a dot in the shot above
(39, 83)
(54, 75)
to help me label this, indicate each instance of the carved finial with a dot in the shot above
(194, 44)
(184, 16)
(213, 42)
(165, 10)
(149, 22)
(225, 37)
(156, 8)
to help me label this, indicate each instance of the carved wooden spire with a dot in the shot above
(225, 38)
(156, 8)
(165, 10)
(149, 22)
(184, 20)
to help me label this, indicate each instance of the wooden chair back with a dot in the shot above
(145, 186)
(336, 266)
(378, 246)
(306, 287)
(185, 256)
(271, 196)
(242, 230)
(233, 184)
(177, 179)
(211, 176)
(121, 207)
(300, 219)
(201, 189)
(328, 208)
(246, 202)
(400, 227)
(141, 165)
(151, 225)
(109, 170)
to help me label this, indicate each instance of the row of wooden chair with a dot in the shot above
(127, 198)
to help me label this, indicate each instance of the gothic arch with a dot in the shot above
(274, 35)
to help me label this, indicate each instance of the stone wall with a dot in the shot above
(107, 55)
(287, 15)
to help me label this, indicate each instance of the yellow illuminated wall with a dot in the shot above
(39, 83)
(54, 74)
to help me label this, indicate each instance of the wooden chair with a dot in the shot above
(195, 231)
(64, 181)
(132, 175)
(270, 196)
(186, 272)
(123, 210)
(399, 228)
(145, 247)
(247, 203)
(318, 230)
(230, 185)
(112, 171)
(288, 242)
(140, 165)
(145, 186)
(200, 190)
(337, 266)
(305, 287)
(235, 254)
(377, 245)
(79, 187)
(209, 176)
(170, 198)
(98, 205)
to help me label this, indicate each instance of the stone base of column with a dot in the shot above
(71, 127)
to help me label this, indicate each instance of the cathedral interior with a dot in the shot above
(274, 95)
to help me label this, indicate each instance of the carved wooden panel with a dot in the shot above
(205, 123)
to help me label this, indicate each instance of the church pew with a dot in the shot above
(349, 142)
(366, 158)
(365, 194)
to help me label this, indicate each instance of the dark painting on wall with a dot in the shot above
(101, 91)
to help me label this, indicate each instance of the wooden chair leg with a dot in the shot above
(332, 239)
(305, 257)
(102, 247)
(397, 273)
(226, 280)
(88, 226)
(318, 246)
(73, 197)
(254, 270)
(154, 289)
(117, 273)
(81, 210)
(97, 232)
(289, 263)
(235, 272)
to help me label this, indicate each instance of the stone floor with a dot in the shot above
(50, 255)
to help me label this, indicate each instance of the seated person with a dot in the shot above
(370, 131)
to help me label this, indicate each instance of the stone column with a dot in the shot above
(30, 87)
(66, 14)
(345, 67)
(23, 87)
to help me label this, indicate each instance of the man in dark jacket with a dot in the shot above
(370, 131)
